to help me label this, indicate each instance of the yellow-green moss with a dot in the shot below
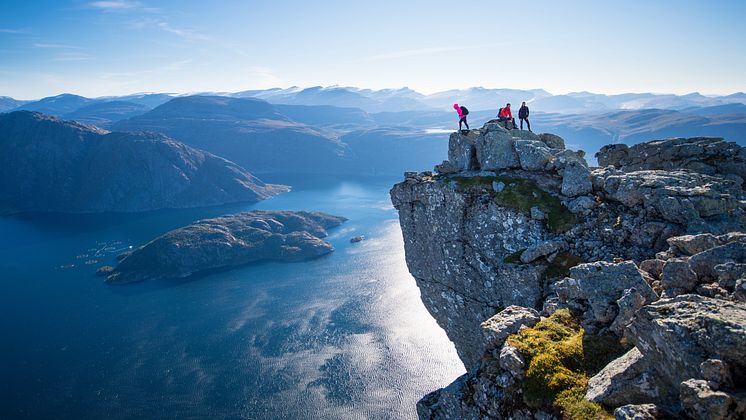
(523, 194)
(560, 361)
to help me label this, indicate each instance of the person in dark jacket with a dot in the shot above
(523, 115)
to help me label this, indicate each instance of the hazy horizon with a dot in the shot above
(116, 47)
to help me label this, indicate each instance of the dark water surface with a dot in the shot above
(343, 336)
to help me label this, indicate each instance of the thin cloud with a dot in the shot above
(183, 33)
(114, 5)
(72, 56)
(10, 31)
(55, 46)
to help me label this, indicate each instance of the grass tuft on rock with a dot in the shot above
(560, 361)
(523, 194)
(514, 258)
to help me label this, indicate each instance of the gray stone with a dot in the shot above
(496, 150)
(532, 154)
(505, 323)
(739, 294)
(728, 273)
(637, 412)
(446, 167)
(498, 186)
(581, 205)
(626, 380)
(716, 373)
(677, 335)
(704, 263)
(543, 249)
(512, 361)
(702, 402)
(693, 244)
(576, 180)
(552, 141)
(602, 284)
(677, 277)
(654, 267)
(537, 214)
(462, 150)
(630, 302)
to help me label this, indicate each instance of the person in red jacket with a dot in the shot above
(505, 115)
(462, 113)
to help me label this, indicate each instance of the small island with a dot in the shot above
(228, 241)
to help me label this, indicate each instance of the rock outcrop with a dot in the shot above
(52, 165)
(647, 254)
(228, 241)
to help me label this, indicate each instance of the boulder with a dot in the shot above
(512, 361)
(702, 402)
(703, 264)
(496, 150)
(576, 179)
(552, 141)
(533, 155)
(716, 373)
(626, 380)
(677, 277)
(446, 168)
(602, 284)
(728, 273)
(542, 249)
(677, 335)
(630, 302)
(506, 322)
(637, 412)
(654, 267)
(462, 151)
(693, 244)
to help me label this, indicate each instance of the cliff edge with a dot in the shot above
(520, 248)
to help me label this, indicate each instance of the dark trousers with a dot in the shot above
(527, 123)
(463, 120)
(508, 120)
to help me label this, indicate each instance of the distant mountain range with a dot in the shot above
(267, 138)
(51, 165)
(346, 129)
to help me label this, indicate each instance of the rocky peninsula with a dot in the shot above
(228, 241)
(579, 292)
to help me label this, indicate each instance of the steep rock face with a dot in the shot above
(509, 215)
(54, 165)
(228, 241)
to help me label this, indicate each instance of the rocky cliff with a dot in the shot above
(572, 291)
(52, 165)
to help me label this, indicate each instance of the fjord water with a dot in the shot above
(343, 336)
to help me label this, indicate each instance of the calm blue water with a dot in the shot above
(344, 336)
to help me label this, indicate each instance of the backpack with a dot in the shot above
(499, 111)
(464, 111)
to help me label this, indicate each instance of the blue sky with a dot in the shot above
(116, 47)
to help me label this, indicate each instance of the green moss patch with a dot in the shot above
(560, 361)
(523, 194)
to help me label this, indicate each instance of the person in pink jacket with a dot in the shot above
(462, 113)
